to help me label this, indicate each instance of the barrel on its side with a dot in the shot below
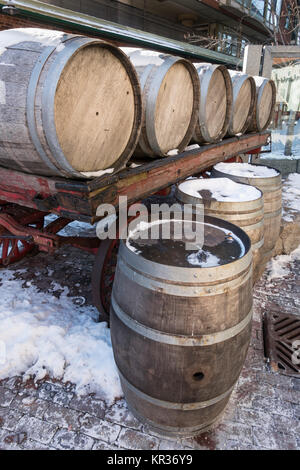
(180, 336)
(248, 215)
(271, 189)
(264, 104)
(170, 89)
(70, 105)
(215, 103)
(244, 95)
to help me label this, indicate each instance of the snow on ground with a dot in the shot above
(43, 335)
(246, 170)
(279, 266)
(221, 189)
(291, 196)
(280, 138)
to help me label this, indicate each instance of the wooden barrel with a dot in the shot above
(180, 333)
(244, 95)
(219, 197)
(215, 103)
(270, 185)
(69, 105)
(170, 89)
(264, 104)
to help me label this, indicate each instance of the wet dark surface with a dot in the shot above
(220, 247)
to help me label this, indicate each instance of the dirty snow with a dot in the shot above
(246, 170)
(143, 57)
(11, 37)
(291, 196)
(44, 335)
(222, 189)
(279, 266)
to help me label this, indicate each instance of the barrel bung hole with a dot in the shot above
(197, 376)
(97, 113)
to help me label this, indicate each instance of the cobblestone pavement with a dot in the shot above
(263, 413)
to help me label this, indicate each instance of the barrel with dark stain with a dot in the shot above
(215, 103)
(244, 95)
(180, 333)
(70, 105)
(246, 214)
(264, 104)
(170, 89)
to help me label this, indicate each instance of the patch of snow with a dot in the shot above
(2, 92)
(74, 229)
(246, 170)
(11, 37)
(291, 196)
(143, 57)
(90, 174)
(192, 147)
(44, 335)
(173, 152)
(279, 266)
(221, 189)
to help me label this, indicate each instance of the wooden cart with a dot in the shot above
(26, 199)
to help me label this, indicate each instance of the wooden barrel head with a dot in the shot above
(242, 107)
(174, 107)
(94, 109)
(216, 104)
(265, 105)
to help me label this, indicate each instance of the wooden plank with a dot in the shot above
(148, 179)
(79, 200)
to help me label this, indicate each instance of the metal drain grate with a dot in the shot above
(282, 342)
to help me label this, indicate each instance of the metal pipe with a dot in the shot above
(89, 24)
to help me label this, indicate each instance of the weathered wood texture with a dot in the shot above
(264, 104)
(79, 200)
(69, 105)
(248, 215)
(180, 337)
(271, 189)
(244, 95)
(215, 103)
(170, 89)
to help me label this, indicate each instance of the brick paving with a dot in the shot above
(263, 413)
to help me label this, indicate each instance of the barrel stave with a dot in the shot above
(180, 337)
(55, 139)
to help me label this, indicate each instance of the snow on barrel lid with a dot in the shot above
(164, 241)
(219, 189)
(246, 169)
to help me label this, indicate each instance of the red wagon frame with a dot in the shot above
(26, 199)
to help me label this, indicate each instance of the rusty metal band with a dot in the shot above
(258, 245)
(30, 107)
(172, 405)
(186, 431)
(176, 289)
(270, 215)
(178, 340)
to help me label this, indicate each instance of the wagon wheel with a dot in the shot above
(13, 248)
(103, 276)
